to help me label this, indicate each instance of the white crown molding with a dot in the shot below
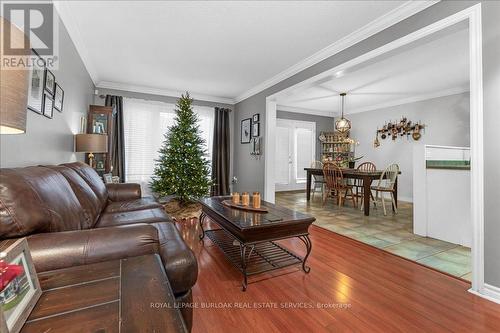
(161, 92)
(396, 15)
(412, 99)
(408, 100)
(287, 108)
(69, 21)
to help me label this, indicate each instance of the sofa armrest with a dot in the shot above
(57, 250)
(179, 261)
(123, 191)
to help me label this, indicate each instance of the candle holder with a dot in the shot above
(256, 199)
(235, 198)
(245, 199)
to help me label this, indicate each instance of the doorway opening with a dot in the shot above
(471, 18)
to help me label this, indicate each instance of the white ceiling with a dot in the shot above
(433, 67)
(212, 48)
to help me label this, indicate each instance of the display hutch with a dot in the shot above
(336, 147)
(100, 121)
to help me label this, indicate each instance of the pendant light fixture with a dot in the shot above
(342, 125)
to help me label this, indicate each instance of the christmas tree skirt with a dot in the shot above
(180, 211)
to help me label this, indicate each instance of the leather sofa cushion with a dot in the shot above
(137, 216)
(93, 180)
(179, 261)
(86, 196)
(37, 199)
(131, 205)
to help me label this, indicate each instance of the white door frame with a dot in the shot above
(312, 124)
(473, 16)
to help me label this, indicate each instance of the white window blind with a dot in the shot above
(145, 124)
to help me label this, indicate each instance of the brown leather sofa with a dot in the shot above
(70, 217)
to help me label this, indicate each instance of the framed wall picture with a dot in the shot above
(246, 127)
(50, 82)
(48, 105)
(256, 118)
(19, 288)
(36, 82)
(58, 98)
(108, 178)
(255, 130)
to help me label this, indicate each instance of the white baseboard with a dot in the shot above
(405, 199)
(489, 292)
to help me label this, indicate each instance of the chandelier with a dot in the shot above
(342, 125)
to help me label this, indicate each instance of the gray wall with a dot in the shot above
(323, 124)
(251, 172)
(170, 99)
(50, 141)
(447, 121)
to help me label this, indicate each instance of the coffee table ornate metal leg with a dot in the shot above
(308, 244)
(202, 219)
(243, 252)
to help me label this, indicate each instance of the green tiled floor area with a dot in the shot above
(393, 233)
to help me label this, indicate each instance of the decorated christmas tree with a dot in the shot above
(182, 169)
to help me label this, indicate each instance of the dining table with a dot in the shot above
(366, 176)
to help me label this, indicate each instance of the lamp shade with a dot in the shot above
(91, 143)
(13, 85)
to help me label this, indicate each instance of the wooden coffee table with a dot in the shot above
(113, 296)
(248, 239)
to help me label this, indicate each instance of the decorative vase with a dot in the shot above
(351, 165)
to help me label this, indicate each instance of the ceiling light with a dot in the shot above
(342, 125)
(339, 74)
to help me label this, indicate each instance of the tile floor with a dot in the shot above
(393, 233)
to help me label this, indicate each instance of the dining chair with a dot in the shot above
(386, 185)
(336, 184)
(318, 180)
(358, 183)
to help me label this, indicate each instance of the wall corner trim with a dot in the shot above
(383, 22)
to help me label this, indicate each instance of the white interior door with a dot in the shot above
(295, 150)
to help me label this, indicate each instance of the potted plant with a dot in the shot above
(352, 161)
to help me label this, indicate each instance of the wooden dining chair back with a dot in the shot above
(388, 177)
(386, 184)
(318, 180)
(366, 167)
(335, 184)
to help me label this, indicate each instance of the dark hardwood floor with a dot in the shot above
(352, 287)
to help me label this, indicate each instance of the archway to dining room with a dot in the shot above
(412, 104)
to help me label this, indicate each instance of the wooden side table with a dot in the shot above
(127, 295)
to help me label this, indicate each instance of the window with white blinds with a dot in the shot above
(145, 124)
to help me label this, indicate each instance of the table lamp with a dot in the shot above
(13, 84)
(91, 143)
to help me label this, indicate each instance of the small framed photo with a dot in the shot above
(255, 130)
(48, 105)
(256, 118)
(58, 98)
(108, 178)
(36, 82)
(50, 82)
(19, 286)
(246, 127)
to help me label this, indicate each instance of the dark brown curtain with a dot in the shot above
(118, 139)
(220, 152)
